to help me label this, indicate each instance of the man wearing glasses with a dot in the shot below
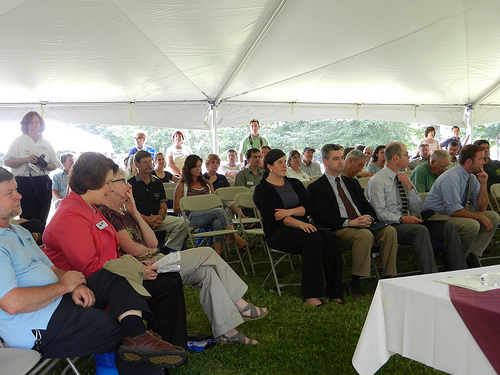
(151, 202)
(394, 199)
(140, 140)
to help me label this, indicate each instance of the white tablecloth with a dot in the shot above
(414, 317)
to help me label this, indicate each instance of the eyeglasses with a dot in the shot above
(405, 155)
(122, 180)
(145, 162)
(138, 137)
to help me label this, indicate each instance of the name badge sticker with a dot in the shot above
(101, 225)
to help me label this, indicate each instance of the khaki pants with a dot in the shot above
(473, 235)
(361, 242)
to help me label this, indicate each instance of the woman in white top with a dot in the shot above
(177, 153)
(293, 170)
(31, 158)
(430, 133)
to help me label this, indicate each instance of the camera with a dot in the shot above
(40, 161)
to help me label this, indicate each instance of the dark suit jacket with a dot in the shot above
(326, 209)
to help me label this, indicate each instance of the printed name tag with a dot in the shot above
(101, 225)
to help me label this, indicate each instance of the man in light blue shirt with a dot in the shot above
(383, 192)
(461, 198)
(60, 179)
(61, 314)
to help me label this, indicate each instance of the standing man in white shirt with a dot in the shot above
(254, 140)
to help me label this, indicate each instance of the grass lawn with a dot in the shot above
(295, 338)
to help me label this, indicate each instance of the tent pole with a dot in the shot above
(215, 143)
(468, 120)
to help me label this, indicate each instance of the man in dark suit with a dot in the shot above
(339, 204)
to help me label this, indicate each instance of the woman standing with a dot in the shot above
(159, 170)
(31, 157)
(430, 133)
(293, 170)
(284, 204)
(193, 183)
(378, 160)
(177, 153)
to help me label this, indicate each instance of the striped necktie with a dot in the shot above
(404, 198)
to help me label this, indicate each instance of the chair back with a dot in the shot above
(423, 196)
(169, 190)
(199, 202)
(228, 193)
(363, 181)
(495, 192)
(307, 183)
(245, 200)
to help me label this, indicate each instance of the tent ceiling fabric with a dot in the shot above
(87, 60)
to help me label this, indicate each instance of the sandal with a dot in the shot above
(254, 314)
(239, 338)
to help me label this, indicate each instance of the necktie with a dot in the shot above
(468, 203)
(351, 211)
(404, 198)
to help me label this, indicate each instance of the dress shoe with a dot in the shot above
(148, 347)
(355, 291)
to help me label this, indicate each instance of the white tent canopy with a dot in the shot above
(195, 62)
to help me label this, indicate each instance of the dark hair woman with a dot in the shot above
(284, 204)
(193, 183)
(378, 160)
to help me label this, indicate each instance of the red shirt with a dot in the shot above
(79, 238)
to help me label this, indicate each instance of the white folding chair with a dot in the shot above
(494, 246)
(227, 194)
(200, 203)
(15, 361)
(245, 200)
(169, 192)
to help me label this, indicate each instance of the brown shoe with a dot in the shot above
(148, 347)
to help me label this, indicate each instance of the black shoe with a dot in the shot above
(355, 291)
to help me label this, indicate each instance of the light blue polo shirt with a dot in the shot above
(23, 264)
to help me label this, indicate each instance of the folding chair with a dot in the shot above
(227, 194)
(307, 183)
(169, 192)
(363, 181)
(492, 250)
(205, 202)
(245, 200)
(15, 361)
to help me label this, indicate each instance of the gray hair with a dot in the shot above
(440, 155)
(5, 175)
(356, 155)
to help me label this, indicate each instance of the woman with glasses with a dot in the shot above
(80, 238)
(221, 288)
(293, 170)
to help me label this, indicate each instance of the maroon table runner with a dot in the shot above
(480, 311)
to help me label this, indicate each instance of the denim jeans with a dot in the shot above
(213, 218)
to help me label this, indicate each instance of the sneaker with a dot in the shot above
(148, 347)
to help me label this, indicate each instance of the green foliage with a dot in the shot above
(490, 132)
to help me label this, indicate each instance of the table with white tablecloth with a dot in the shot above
(413, 316)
